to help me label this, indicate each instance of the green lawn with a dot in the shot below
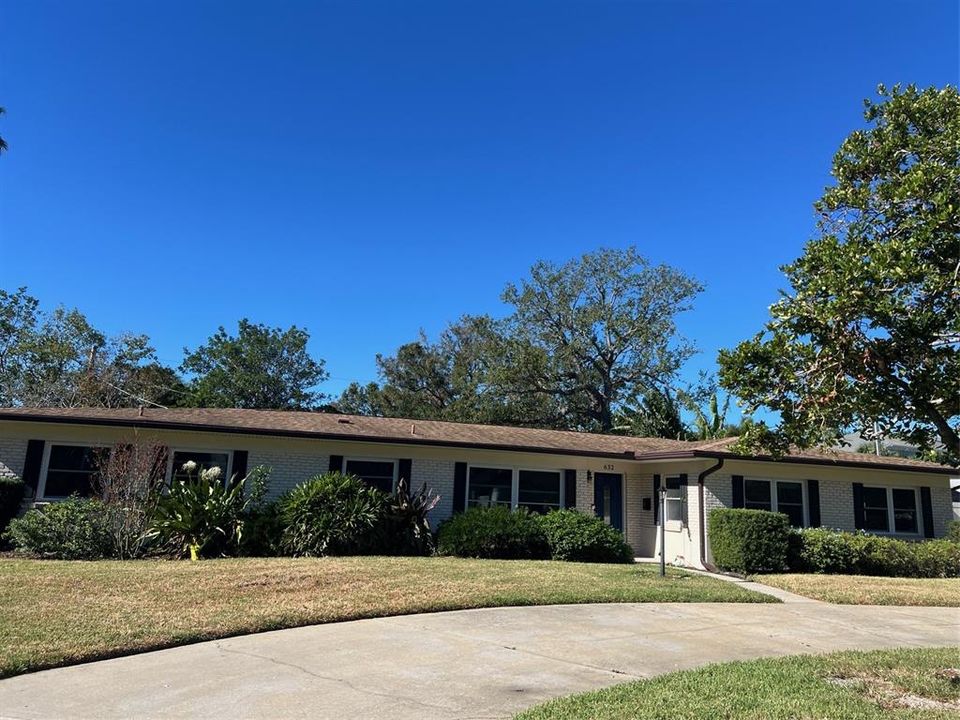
(882, 685)
(863, 590)
(55, 612)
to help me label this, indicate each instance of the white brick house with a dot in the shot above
(615, 477)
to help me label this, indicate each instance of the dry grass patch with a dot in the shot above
(54, 613)
(863, 590)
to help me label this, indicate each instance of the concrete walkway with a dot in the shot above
(468, 664)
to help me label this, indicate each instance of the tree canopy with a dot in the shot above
(869, 330)
(259, 367)
(580, 341)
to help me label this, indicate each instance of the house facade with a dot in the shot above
(614, 477)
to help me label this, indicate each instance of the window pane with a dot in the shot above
(674, 508)
(905, 511)
(794, 512)
(539, 490)
(876, 520)
(376, 473)
(790, 492)
(204, 461)
(875, 497)
(490, 486)
(756, 494)
(71, 470)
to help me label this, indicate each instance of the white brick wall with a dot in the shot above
(438, 475)
(288, 469)
(12, 454)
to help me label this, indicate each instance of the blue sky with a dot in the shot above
(367, 169)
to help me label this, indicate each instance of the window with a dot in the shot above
(782, 496)
(539, 491)
(205, 460)
(490, 486)
(673, 507)
(890, 510)
(71, 470)
(380, 474)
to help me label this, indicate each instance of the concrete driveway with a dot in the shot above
(467, 664)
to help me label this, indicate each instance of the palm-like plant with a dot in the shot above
(202, 515)
(408, 518)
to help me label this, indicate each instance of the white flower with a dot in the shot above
(189, 466)
(212, 474)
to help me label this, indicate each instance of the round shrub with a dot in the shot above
(262, 532)
(749, 541)
(493, 532)
(72, 529)
(576, 536)
(330, 514)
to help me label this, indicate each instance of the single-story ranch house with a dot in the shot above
(616, 477)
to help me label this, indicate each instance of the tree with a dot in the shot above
(59, 359)
(656, 414)
(870, 329)
(594, 332)
(260, 367)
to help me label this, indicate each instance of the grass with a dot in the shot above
(876, 685)
(863, 590)
(54, 613)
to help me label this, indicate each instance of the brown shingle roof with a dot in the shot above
(431, 432)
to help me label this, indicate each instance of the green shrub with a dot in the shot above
(579, 537)
(404, 528)
(331, 514)
(11, 495)
(953, 531)
(262, 532)
(833, 551)
(72, 529)
(493, 532)
(823, 551)
(749, 541)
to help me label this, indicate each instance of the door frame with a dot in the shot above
(623, 498)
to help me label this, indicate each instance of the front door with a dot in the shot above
(608, 498)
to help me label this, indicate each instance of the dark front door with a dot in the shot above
(608, 498)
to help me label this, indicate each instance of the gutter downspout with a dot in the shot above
(703, 513)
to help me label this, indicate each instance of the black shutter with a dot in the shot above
(569, 488)
(405, 471)
(336, 463)
(31, 465)
(737, 491)
(683, 496)
(656, 499)
(239, 464)
(459, 487)
(927, 504)
(858, 521)
(813, 500)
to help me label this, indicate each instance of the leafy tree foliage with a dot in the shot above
(870, 329)
(260, 367)
(656, 414)
(582, 339)
(60, 359)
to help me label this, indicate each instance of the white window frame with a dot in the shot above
(680, 499)
(514, 483)
(395, 463)
(917, 508)
(213, 451)
(774, 500)
(45, 467)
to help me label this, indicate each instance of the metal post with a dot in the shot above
(663, 533)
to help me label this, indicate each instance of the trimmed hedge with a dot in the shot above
(72, 529)
(819, 550)
(579, 537)
(953, 531)
(494, 533)
(749, 541)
